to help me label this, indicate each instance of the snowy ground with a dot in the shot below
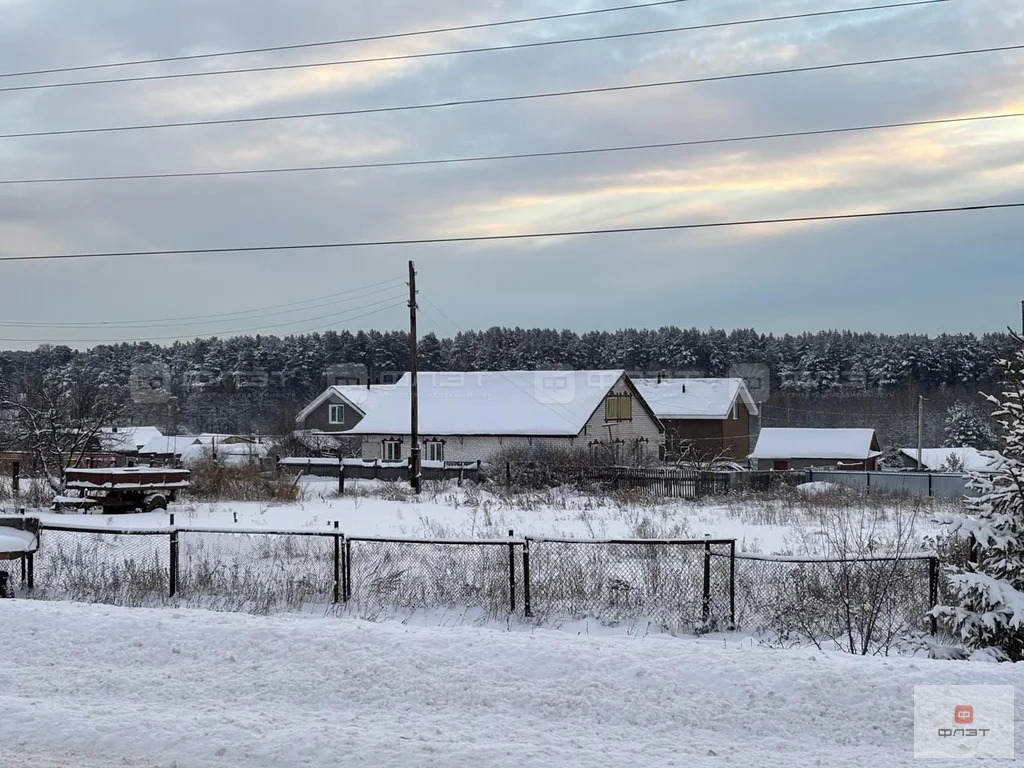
(775, 526)
(88, 686)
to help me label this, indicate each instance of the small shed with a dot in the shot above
(790, 448)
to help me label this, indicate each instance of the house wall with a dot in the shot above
(848, 464)
(485, 447)
(736, 433)
(727, 437)
(320, 418)
(706, 435)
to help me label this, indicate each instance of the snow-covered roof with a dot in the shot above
(227, 453)
(168, 444)
(537, 403)
(695, 398)
(971, 459)
(209, 438)
(360, 398)
(792, 443)
(127, 439)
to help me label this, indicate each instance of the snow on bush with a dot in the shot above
(989, 612)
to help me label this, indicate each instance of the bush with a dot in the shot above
(214, 481)
(541, 467)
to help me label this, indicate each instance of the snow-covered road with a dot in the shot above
(84, 686)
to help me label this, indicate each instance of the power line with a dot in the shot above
(297, 306)
(522, 236)
(334, 318)
(502, 99)
(226, 317)
(519, 156)
(463, 51)
(343, 41)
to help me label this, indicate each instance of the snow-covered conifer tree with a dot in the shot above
(967, 427)
(989, 615)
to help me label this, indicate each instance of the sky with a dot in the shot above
(954, 272)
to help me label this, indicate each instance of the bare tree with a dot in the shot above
(60, 416)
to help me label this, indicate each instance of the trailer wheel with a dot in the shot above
(155, 501)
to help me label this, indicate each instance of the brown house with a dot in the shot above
(703, 418)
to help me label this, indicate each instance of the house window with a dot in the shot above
(435, 450)
(391, 450)
(618, 407)
(336, 414)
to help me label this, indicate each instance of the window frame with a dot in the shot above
(434, 445)
(331, 411)
(395, 445)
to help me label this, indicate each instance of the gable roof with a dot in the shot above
(168, 444)
(359, 397)
(528, 403)
(972, 459)
(792, 443)
(695, 398)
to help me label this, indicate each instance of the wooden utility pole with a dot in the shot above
(414, 414)
(920, 431)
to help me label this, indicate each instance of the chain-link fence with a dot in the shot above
(404, 573)
(677, 584)
(102, 566)
(256, 572)
(863, 605)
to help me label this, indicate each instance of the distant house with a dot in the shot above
(474, 416)
(169, 449)
(339, 408)
(702, 417)
(126, 440)
(951, 459)
(237, 453)
(786, 448)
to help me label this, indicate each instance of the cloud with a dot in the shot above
(735, 277)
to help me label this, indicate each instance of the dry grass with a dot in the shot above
(214, 481)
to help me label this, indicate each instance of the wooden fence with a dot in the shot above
(670, 483)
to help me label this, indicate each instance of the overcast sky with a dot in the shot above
(931, 274)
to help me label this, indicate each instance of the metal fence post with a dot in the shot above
(706, 604)
(929, 485)
(527, 608)
(348, 570)
(337, 562)
(732, 584)
(31, 570)
(511, 572)
(174, 558)
(341, 477)
(933, 589)
(16, 477)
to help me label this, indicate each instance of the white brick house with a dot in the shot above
(474, 416)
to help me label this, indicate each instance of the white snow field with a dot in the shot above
(90, 686)
(759, 525)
